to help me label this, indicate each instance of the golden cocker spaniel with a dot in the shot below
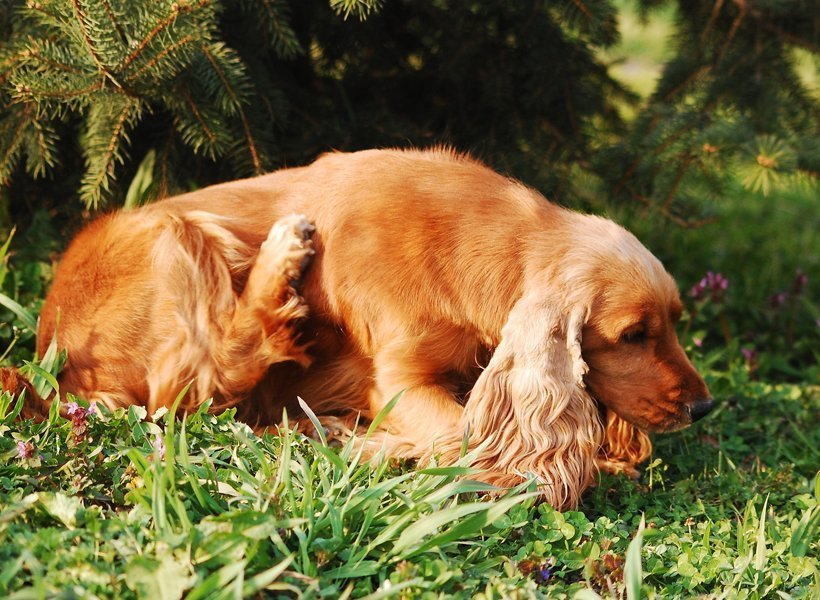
(547, 334)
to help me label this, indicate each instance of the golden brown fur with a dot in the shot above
(433, 275)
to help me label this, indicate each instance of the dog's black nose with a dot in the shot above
(700, 408)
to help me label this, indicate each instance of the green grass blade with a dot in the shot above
(262, 580)
(804, 533)
(487, 513)
(320, 431)
(26, 318)
(43, 381)
(382, 414)
(760, 542)
(633, 572)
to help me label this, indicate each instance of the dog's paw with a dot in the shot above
(290, 245)
(283, 258)
(617, 467)
(336, 431)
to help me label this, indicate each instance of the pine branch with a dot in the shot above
(257, 163)
(685, 223)
(790, 38)
(12, 146)
(26, 92)
(108, 122)
(683, 167)
(743, 10)
(201, 127)
(276, 17)
(114, 21)
(41, 148)
(90, 44)
(198, 116)
(712, 18)
(34, 52)
(360, 8)
(164, 53)
(176, 11)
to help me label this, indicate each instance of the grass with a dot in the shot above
(114, 505)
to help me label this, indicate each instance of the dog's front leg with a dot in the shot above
(425, 414)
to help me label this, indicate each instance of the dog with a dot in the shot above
(543, 335)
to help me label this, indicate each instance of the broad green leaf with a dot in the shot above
(166, 578)
(43, 381)
(61, 507)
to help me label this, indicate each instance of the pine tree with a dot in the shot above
(169, 94)
(729, 102)
(116, 63)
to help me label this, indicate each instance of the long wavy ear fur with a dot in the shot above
(624, 446)
(530, 407)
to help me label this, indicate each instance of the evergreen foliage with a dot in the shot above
(729, 101)
(187, 92)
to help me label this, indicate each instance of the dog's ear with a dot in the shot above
(530, 403)
(624, 447)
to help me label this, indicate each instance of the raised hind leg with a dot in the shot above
(261, 330)
(226, 342)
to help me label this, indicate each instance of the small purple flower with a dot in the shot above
(715, 284)
(778, 300)
(25, 450)
(79, 419)
(801, 280)
(545, 573)
(159, 445)
(697, 342)
(750, 354)
(78, 413)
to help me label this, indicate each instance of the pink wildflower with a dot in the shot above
(714, 284)
(801, 280)
(697, 342)
(25, 450)
(79, 419)
(159, 445)
(778, 300)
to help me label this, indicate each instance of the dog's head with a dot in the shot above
(637, 367)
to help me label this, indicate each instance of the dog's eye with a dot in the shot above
(636, 335)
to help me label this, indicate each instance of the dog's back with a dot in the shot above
(397, 236)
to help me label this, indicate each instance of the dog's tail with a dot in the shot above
(13, 382)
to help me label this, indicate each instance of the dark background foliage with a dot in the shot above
(226, 88)
(106, 102)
